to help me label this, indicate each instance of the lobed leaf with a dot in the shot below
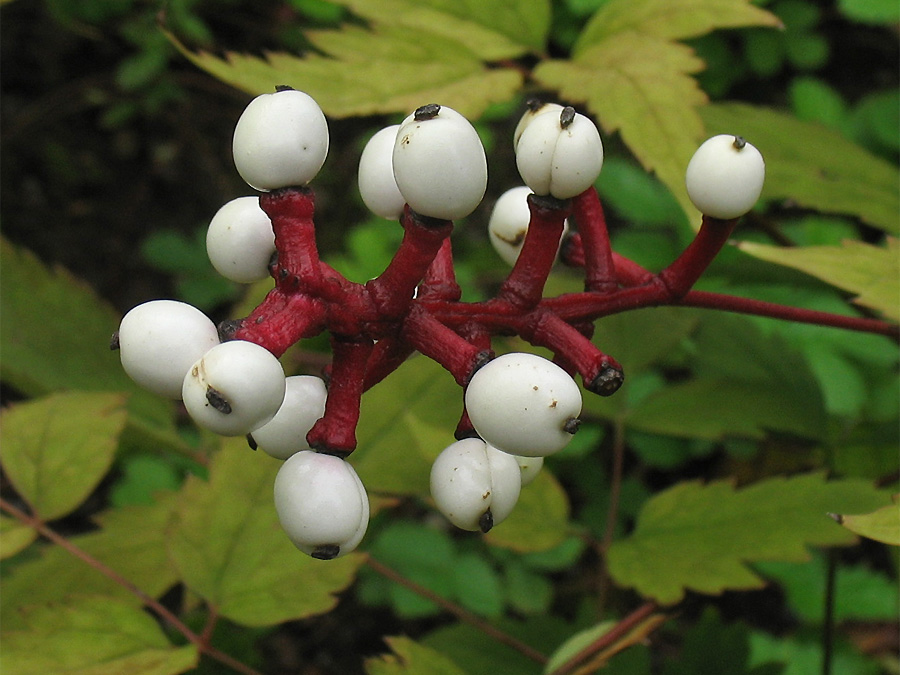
(501, 29)
(93, 636)
(57, 449)
(671, 20)
(227, 544)
(131, 541)
(881, 525)
(702, 537)
(540, 520)
(378, 70)
(813, 166)
(639, 85)
(871, 272)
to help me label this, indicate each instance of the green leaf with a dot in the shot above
(492, 30)
(411, 657)
(672, 20)
(374, 71)
(405, 422)
(57, 449)
(568, 649)
(639, 85)
(870, 11)
(229, 548)
(813, 166)
(14, 537)
(860, 594)
(93, 636)
(540, 520)
(871, 272)
(730, 655)
(804, 655)
(882, 525)
(702, 537)
(478, 585)
(131, 541)
(55, 331)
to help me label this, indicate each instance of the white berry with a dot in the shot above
(475, 485)
(523, 404)
(530, 467)
(439, 163)
(725, 177)
(280, 140)
(509, 222)
(240, 241)
(235, 387)
(534, 109)
(321, 504)
(377, 185)
(159, 340)
(559, 153)
(304, 403)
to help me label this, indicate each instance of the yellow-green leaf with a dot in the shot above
(540, 520)
(412, 658)
(56, 449)
(228, 546)
(673, 20)
(813, 166)
(640, 86)
(14, 537)
(882, 525)
(366, 72)
(131, 540)
(93, 636)
(702, 537)
(500, 29)
(871, 272)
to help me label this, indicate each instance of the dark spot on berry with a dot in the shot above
(571, 425)
(486, 522)
(326, 552)
(566, 116)
(252, 442)
(427, 112)
(114, 341)
(739, 143)
(218, 401)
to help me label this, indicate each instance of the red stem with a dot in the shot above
(428, 335)
(600, 270)
(440, 279)
(524, 287)
(335, 431)
(683, 273)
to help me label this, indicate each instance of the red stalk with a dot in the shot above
(599, 268)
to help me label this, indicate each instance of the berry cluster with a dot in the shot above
(427, 171)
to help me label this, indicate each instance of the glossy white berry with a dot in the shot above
(475, 485)
(559, 153)
(439, 163)
(509, 222)
(240, 241)
(725, 177)
(304, 403)
(321, 504)
(377, 185)
(280, 140)
(159, 340)
(530, 467)
(524, 404)
(535, 108)
(233, 388)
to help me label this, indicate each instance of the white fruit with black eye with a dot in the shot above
(280, 140)
(725, 177)
(475, 485)
(559, 154)
(523, 404)
(321, 504)
(439, 163)
(240, 241)
(304, 403)
(377, 185)
(535, 108)
(159, 340)
(233, 388)
(509, 222)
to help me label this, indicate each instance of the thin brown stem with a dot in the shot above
(147, 600)
(609, 638)
(612, 514)
(457, 611)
